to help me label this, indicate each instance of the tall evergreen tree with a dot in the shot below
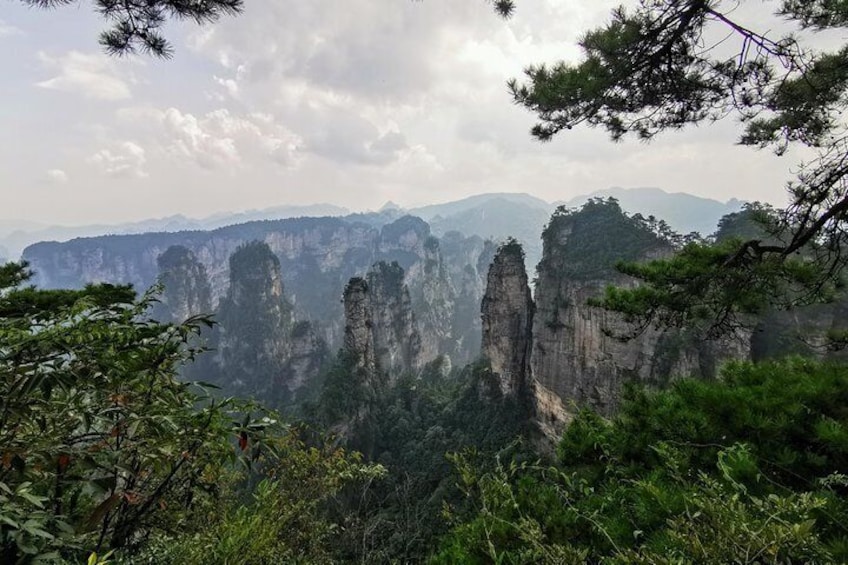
(136, 25)
(652, 69)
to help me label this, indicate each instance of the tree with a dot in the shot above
(652, 69)
(135, 25)
(100, 443)
(749, 468)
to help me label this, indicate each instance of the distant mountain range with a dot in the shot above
(683, 212)
(494, 215)
(16, 235)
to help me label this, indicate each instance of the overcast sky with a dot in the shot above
(352, 102)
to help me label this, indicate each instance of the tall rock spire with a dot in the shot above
(507, 316)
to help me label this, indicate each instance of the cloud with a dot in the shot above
(57, 176)
(126, 160)
(348, 101)
(219, 139)
(90, 75)
(7, 29)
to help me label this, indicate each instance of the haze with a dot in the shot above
(349, 102)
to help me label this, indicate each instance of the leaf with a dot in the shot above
(102, 510)
(38, 532)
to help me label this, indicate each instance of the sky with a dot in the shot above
(350, 102)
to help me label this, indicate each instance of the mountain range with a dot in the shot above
(491, 215)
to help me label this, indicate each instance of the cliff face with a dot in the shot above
(317, 257)
(397, 341)
(255, 322)
(308, 355)
(575, 353)
(380, 328)
(434, 300)
(578, 356)
(507, 319)
(186, 291)
(358, 337)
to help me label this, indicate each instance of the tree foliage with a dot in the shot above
(653, 68)
(136, 25)
(751, 469)
(100, 443)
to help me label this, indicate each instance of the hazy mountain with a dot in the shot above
(683, 212)
(8, 225)
(275, 213)
(458, 206)
(16, 235)
(495, 215)
(498, 218)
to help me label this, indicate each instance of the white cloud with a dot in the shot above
(126, 160)
(218, 139)
(57, 176)
(7, 29)
(90, 75)
(349, 101)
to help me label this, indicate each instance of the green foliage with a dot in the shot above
(586, 244)
(699, 287)
(408, 429)
(743, 470)
(136, 26)
(100, 444)
(511, 247)
(285, 520)
(344, 390)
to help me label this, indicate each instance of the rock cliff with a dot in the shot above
(579, 357)
(434, 300)
(185, 286)
(308, 355)
(317, 257)
(380, 327)
(358, 337)
(507, 321)
(397, 341)
(255, 322)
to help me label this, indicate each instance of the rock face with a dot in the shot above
(317, 256)
(255, 322)
(507, 318)
(308, 355)
(358, 337)
(575, 352)
(434, 300)
(578, 357)
(380, 328)
(186, 291)
(397, 342)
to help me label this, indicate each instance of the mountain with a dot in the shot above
(275, 213)
(317, 257)
(15, 235)
(492, 215)
(500, 217)
(448, 209)
(9, 225)
(683, 212)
